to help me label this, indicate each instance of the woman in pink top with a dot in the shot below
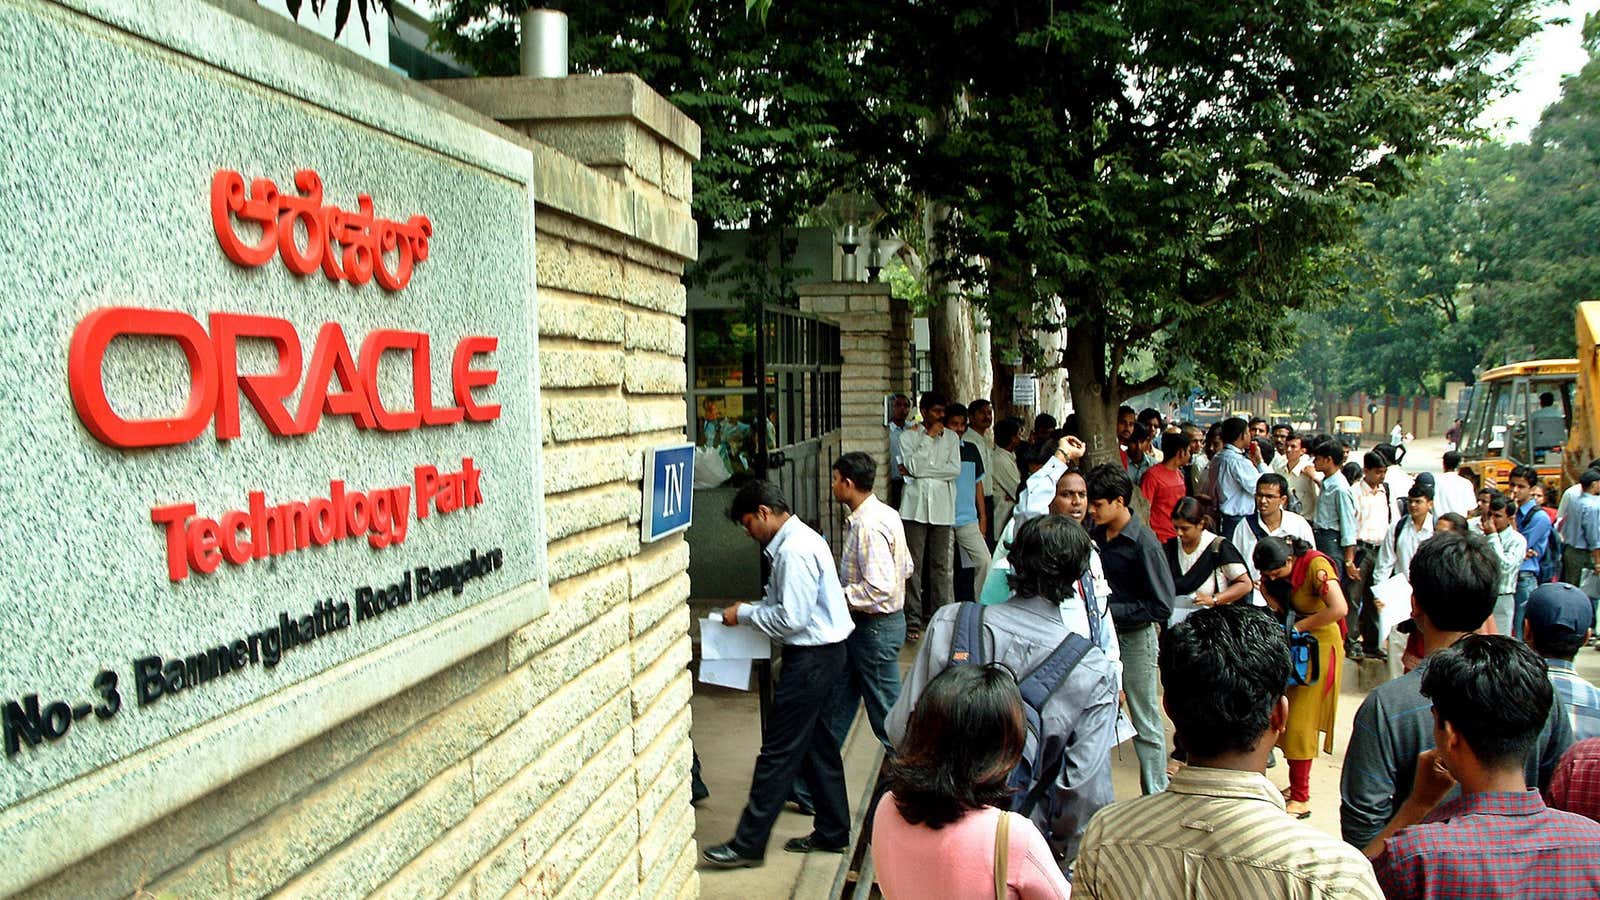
(933, 837)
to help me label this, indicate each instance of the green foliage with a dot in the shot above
(768, 90)
(1480, 264)
(341, 12)
(1173, 177)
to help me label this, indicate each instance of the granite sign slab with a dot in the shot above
(270, 442)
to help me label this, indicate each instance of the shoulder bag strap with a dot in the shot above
(1002, 854)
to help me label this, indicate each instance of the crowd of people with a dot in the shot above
(1226, 577)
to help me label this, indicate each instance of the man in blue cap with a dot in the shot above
(1558, 622)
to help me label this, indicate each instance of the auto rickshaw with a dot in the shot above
(1348, 430)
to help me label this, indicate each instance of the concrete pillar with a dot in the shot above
(875, 341)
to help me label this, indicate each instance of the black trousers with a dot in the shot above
(798, 742)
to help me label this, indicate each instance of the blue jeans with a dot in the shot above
(871, 676)
(1526, 582)
(1140, 681)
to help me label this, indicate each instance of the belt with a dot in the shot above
(864, 614)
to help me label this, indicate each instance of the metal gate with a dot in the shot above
(798, 362)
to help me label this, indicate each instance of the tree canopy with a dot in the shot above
(1164, 180)
(1480, 264)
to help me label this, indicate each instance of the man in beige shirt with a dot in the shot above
(1219, 830)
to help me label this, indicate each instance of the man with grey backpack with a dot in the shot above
(1067, 683)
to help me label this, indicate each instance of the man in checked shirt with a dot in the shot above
(874, 563)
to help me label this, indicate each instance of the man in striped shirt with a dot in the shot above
(1219, 829)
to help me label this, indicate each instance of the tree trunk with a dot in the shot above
(959, 356)
(1095, 406)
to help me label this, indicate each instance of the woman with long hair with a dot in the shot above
(945, 829)
(1301, 585)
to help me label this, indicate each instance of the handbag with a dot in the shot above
(1002, 854)
(1305, 662)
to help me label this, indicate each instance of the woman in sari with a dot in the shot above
(1300, 584)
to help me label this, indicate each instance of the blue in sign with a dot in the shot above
(668, 491)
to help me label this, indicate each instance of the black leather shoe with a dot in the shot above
(799, 806)
(723, 856)
(808, 844)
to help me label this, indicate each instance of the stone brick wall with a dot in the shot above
(554, 763)
(875, 342)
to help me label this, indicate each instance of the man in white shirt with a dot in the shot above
(899, 409)
(1305, 482)
(1401, 543)
(1270, 519)
(1451, 492)
(1511, 548)
(804, 609)
(1375, 515)
(930, 460)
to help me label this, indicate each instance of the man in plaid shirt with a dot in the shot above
(1490, 697)
(874, 563)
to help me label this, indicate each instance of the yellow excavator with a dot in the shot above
(1540, 413)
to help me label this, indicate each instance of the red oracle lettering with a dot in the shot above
(422, 391)
(267, 393)
(85, 376)
(372, 350)
(331, 359)
(465, 378)
(334, 384)
(347, 246)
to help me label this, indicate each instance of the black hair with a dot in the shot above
(1452, 460)
(1526, 473)
(1044, 422)
(1233, 429)
(756, 494)
(902, 397)
(1190, 510)
(1285, 426)
(1139, 434)
(1589, 476)
(1275, 479)
(1070, 426)
(1223, 670)
(929, 400)
(1276, 552)
(951, 410)
(1546, 398)
(1268, 449)
(1327, 448)
(1389, 452)
(1048, 555)
(1173, 443)
(1498, 502)
(1006, 431)
(1372, 459)
(1351, 471)
(1455, 577)
(1257, 420)
(1108, 481)
(1149, 413)
(965, 736)
(857, 468)
(1125, 410)
(978, 404)
(1456, 520)
(1495, 692)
